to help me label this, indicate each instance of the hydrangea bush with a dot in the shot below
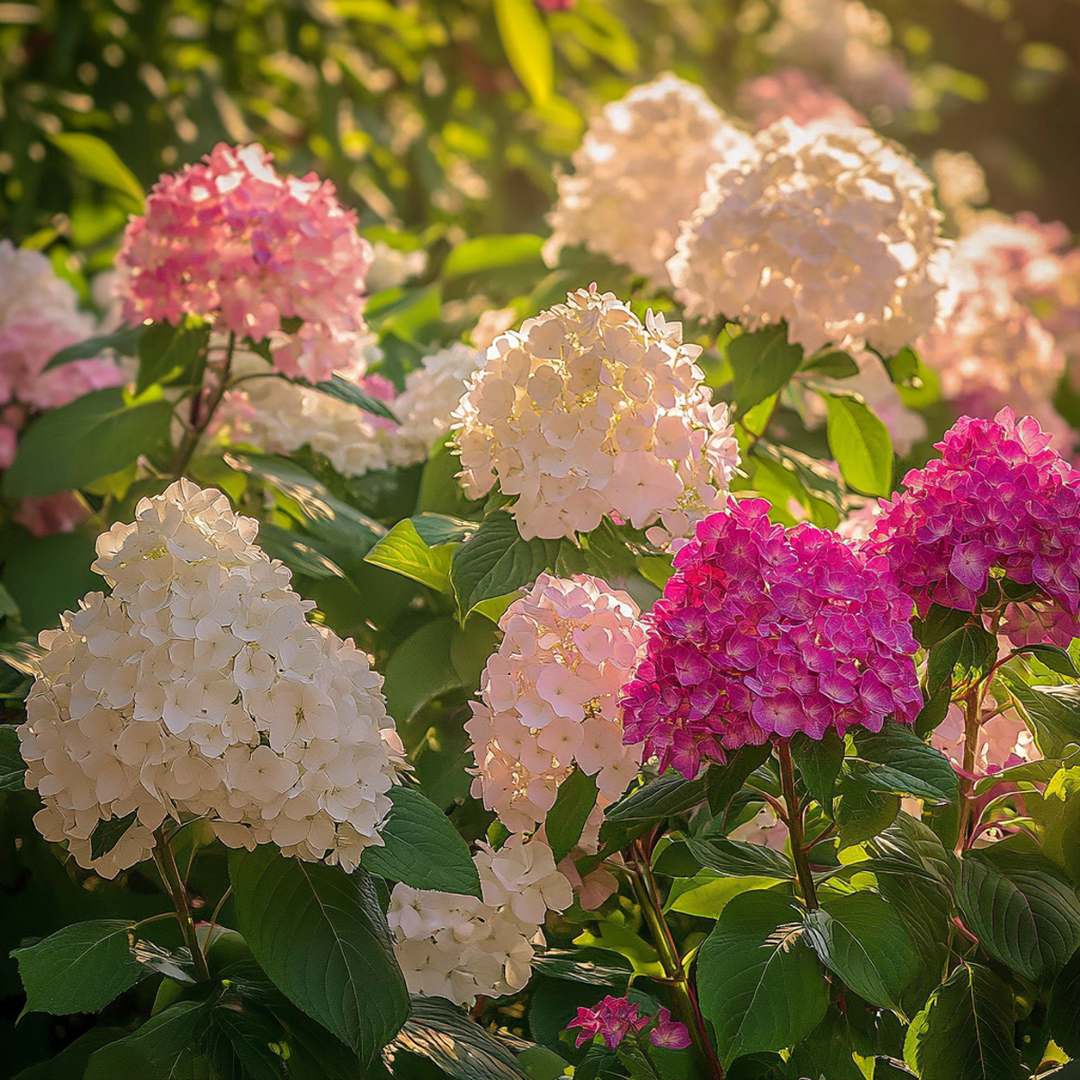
(463, 665)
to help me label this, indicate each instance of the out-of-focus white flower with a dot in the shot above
(859, 523)
(199, 688)
(639, 171)
(796, 94)
(460, 948)
(849, 43)
(431, 394)
(490, 325)
(764, 828)
(829, 226)
(961, 184)
(391, 267)
(550, 698)
(584, 412)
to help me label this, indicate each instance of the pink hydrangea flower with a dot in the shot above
(795, 93)
(230, 237)
(669, 1033)
(1000, 499)
(613, 1019)
(764, 631)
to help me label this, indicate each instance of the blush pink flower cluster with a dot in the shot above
(1000, 498)
(765, 631)
(230, 237)
(794, 93)
(614, 1019)
(550, 698)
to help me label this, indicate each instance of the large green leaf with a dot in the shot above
(96, 159)
(966, 1030)
(897, 760)
(97, 435)
(527, 43)
(819, 762)
(861, 445)
(172, 354)
(80, 968)
(1065, 1008)
(496, 561)
(722, 781)
(163, 1048)
(71, 1062)
(650, 804)
(46, 575)
(1053, 718)
(404, 552)
(422, 848)
(12, 766)
(760, 985)
(492, 252)
(124, 341)
(964, 656)
(862, 939)
(1019, 907)
(733, 858)
(322, 937)
(421, 669)
(565, 821)
(863, 812)
(343, 390)
(762, 363)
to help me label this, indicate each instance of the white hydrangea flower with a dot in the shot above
(830, 227)
(431, 394)
(198, 688)
(550, 698)
(461, 948)
(585, 411)
(639, 171)
(391, 268)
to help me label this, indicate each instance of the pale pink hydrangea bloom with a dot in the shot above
(1004, 741)
(585, 411)
(639, 171)
(828, 226)
(598, 884)
(39, 316)
(764, 828)
(52, 513)
(232, 238)
(794, 93)
(549, 698)
(460, 947)
(199, 687)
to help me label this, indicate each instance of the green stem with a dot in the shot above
(174, 886)
(972, 706)
(795, 826)
(201, 418)
(685, 1000)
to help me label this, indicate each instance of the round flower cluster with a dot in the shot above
(460, 948)
(765, 631)
(39, 316)
(230, 237)
(999, 498)
(639, 171)
(584, 412)
(793, 93)
(828, 226)
(199, 688)
(550, 698)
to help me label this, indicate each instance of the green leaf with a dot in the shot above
(97, 435)
(47, 574)
(650, 804)
(577, 965)
(939, 623)
(96, 159)
(411, 315)
(1052, 718)
(527, 44)
(733, 858)
(492, 252)
(833, 365)
(351, 394)
(496, 561)
(296, 553)
(1065, 1008)
(819, 762)
(421, 669)
(172, 354)
(722, 781)
(422, 849)
(459, 1046)
(322, 937)
(436, 529)
(12, 766)
(71, 1062)
(404, 552)
(966, 1029)
(862, 939)
(107, 834)
(762, 363)
(162, 1048)
(80, 968)
(1053, 657)
(124, 342)
(897, 760)
(861, 445)
(759, 984)
(863, 812)
(565, 821)
(1019, 907)
(965, 656)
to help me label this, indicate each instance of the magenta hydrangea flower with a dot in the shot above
(230, 237)
(614, 1019)
(669, 1033)
(767, 631)
(1002, 499)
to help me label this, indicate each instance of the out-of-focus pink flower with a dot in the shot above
(765, 631)
(52, 513)
(668, 1032)
(1004, 741)
(230, 237)
(592, 889)
(556, 5)
(794, 93)
(1000, 497)
(764, 828)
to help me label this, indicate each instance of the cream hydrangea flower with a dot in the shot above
(829, 226)
(585, 411)
(198, 688)
(459, 947)
(549, 698)
(639, 171)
